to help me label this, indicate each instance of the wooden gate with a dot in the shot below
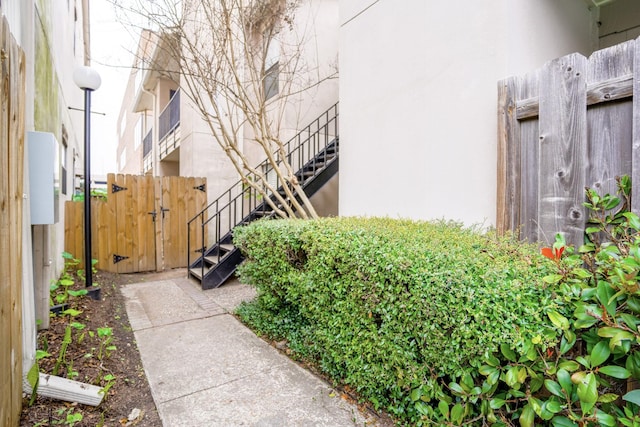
(142, 224)
(572, 124)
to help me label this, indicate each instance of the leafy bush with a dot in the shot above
(589, 378)
(406, 313)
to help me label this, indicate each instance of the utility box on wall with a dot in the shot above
(44, 185)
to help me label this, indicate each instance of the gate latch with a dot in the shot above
(153, 215)
(163, 210)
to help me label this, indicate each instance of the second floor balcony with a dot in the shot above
(147, 154)
(169, 127)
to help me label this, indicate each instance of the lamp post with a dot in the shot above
(88, 80)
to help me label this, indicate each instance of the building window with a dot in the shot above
(271, 84)
(272, 70)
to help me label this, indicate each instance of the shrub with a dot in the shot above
(406, 313)
(589, 377)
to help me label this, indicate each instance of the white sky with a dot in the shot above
(111, 47)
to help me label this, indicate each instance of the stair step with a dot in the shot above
(197, 272)
(226, 247)
(212, 260)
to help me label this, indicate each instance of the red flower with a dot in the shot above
(552, 253)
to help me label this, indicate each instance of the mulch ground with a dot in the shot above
(128, 401)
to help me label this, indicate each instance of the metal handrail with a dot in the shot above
(240, 202)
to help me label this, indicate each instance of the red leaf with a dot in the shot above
(559, 252)
(547, 252)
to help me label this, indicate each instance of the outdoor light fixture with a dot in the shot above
(88, 80)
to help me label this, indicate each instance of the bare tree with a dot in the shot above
(227, 52)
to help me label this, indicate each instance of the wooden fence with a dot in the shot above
(572, 124)
(12, 110)
(142, 226)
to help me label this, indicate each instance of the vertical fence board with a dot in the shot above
(146, 226)
(508, 155)
(609, 133)
(16, 151)
(124, 220)
(100, 214)
(635, 146)
(158, 239)
(134, 208)
(529, 160)
(6, 322)
(12, 99)
(563, 139)
(110, 243)
(200, 202)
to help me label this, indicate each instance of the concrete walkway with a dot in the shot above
(206, 369)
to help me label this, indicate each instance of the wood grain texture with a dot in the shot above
(12, 111)
(581, 129)
(563, 142)
(608, 125)
(599, 92)
(7, 415)
(508, 185)
(635, 135)
(123, 225)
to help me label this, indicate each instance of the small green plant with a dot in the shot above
(105, 335)
(71, 417)
(109, 381)
(33, 376)
(67, 339)
(60, 292)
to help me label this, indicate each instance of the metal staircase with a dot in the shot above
(313, 153)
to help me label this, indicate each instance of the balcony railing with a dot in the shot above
(147, 143)
(170, 116)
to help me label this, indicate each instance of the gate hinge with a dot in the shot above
(115, 188)
(200, 187)
(117, 258)
(201, 250)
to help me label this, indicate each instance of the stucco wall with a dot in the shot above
(619, 22)
(418, 95)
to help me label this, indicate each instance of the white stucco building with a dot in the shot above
(157, 99)
(418, 94)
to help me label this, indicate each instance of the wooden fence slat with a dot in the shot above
(126, 216)
(134, 208)
(110, 244)
(635, 134)
(157, 203)
(563, 140)
(147, 238)
(508, 157)
(6, 321)
(12, 107)
(529, 161)
(609, 133)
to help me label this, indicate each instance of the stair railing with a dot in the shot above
(241, 203)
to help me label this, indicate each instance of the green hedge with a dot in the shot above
(389, 306)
